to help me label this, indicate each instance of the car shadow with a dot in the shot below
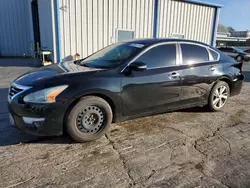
(195, 109)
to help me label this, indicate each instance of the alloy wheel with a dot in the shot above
(239, 58)
(220, 97)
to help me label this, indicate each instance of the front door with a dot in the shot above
(156, 88)
(200, 69)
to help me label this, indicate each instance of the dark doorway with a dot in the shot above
(36, 26)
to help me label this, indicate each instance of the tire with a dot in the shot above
(218, 96)
(89, 119)
(239, 58)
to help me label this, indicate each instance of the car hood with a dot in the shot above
(47, 72)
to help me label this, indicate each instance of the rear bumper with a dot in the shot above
(237, 85)
(38, 119)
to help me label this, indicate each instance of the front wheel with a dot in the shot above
(218, 96)
(239, 58)
(89, 119)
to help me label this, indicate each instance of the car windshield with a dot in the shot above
(113, 55)
(239, 50)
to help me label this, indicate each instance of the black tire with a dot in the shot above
(213, 97)
(239, 58)
(82, 125)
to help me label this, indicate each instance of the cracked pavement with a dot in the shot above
(187, 148)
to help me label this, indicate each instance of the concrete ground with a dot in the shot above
(188, 148)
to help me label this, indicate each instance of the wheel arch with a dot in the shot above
(101, 95)
(108, 100)
(225, 79)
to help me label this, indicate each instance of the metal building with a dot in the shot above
(85, 26)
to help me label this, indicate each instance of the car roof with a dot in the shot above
(150, 41)
(226, 47)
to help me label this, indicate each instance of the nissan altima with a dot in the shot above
(123, 81)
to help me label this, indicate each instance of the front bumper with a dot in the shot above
(39, 119)
(247, 58)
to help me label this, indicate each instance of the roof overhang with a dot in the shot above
(233, 39)
(203, 3)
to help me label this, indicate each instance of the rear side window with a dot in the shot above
(226, 49)
(222, 49)
(194, 54)
(159, 56)
(214, 54)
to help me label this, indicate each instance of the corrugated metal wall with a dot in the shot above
(194, 21)
(14, 28)
(89, 25)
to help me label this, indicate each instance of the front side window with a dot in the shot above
(113, 55)
(159, 56)
(229, 50)
(222, 49)
(192, 54)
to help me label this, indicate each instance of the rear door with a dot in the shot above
(200, 68)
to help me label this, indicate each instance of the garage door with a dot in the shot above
(14, 28)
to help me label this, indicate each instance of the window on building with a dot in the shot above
(123, 35)
(159, 56)
(194, 54)
(179, 36)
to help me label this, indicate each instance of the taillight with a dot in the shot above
(238, 65)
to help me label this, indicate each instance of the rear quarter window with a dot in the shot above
(214, 54)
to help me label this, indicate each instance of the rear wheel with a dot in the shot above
(89, 119)
(219, 96)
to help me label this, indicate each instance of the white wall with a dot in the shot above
(89, 25)
(194, 21)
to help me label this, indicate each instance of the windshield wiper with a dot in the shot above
(84, 65)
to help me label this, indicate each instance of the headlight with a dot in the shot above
(47, 95)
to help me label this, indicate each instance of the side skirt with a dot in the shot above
(121, 118)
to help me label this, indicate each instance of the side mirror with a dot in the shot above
(138, 66)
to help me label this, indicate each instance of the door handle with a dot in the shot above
(174, 75)
(212, 68)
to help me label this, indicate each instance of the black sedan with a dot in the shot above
(122, 81)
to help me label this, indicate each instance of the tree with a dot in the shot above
(230, 29)
(222, 28)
